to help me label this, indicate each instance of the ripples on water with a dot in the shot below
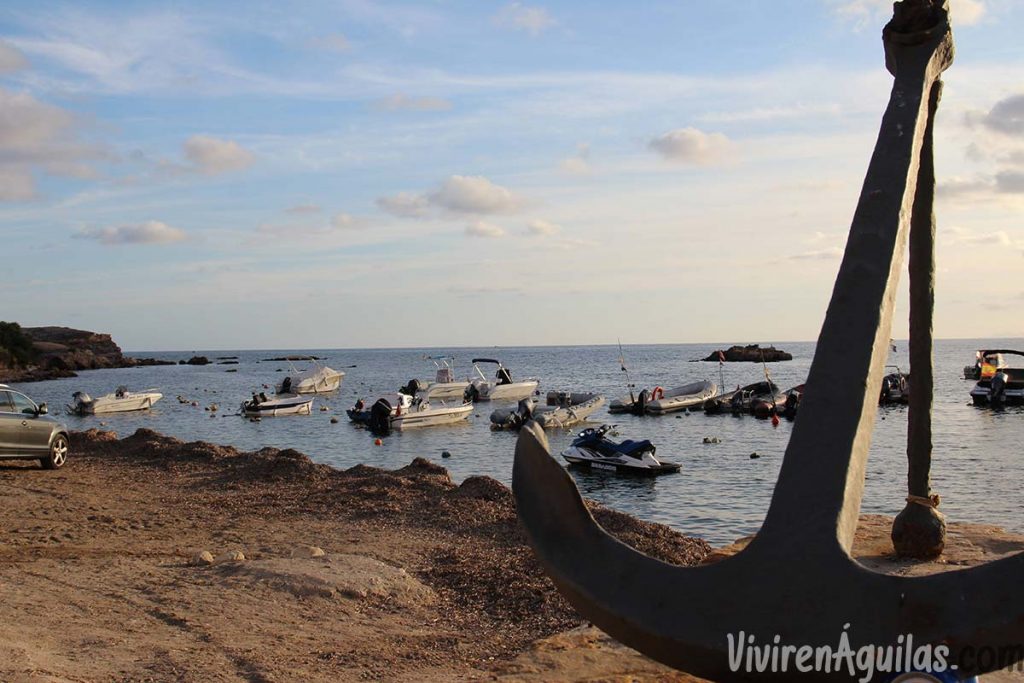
(720, 494)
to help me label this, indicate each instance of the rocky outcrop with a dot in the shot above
(61, 351)
(752, 353)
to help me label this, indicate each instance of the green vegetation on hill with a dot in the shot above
(16, 348)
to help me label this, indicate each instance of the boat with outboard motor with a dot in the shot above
(986, 363)
(502, 387)
(592, 449)
(744, 399)
(121, 401)
(260, 405)
(445, 386)
(407, 409)
(895, 387)
(563, 409)
(1005, 386)
(660, 401)
(317, 379)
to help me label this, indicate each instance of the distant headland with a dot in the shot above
(31, 354)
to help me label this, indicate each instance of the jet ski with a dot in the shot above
(592, 449)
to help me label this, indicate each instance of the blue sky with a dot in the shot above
(363, 174)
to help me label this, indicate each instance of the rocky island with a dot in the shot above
(751, 353)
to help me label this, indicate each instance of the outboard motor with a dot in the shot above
(380, 417)
(503, 376)
(286, 385)
(997, 390)
(412, 387)
(792, 405)
(640, 405)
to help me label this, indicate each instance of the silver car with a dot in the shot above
(26, 431)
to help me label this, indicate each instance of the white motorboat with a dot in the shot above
(445, 385)
(502, 387)
(592, 450)
(406, 410)
(660, 401)
(121, 401)
(895, 387)
(563, 409)
(426, 414)
(283, 404)
(317, 379)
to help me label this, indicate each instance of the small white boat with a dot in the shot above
(282, 404)
(121, 401)
(563, 409)
(318, 379)
(445, 385)
(660, 401)
(402, 411)
(502, 387)
(426, 414)
(690, 395)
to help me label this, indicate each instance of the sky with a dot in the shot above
(470, 173)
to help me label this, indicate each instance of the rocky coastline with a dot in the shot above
(58, 352)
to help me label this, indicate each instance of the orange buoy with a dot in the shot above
(378, 442)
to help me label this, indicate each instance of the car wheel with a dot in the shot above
(58, 453)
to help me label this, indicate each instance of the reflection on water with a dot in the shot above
(720, 494)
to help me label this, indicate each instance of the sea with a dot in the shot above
(721, 492)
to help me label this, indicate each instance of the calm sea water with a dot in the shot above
(720, 494)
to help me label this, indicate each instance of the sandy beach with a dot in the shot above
(102, 578)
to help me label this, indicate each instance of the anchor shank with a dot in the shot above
(817, 499)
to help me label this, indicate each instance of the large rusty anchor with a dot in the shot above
(796, 579)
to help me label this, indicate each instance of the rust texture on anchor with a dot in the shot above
(796, 579)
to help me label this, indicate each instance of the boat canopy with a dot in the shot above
(486, 360)
(991, 352)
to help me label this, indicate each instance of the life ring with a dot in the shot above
(658, 393)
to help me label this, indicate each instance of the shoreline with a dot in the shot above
(421, 579)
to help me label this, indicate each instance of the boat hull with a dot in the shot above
(446, 390)
(568, 416)
(110, 404)
(431, 417)
(514, 391)
(278, 407)
(681, 398)
(585, 458)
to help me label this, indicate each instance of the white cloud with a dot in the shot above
(865, 12)
(473, 194)
(1006, 116)
(405, 205)
(304, 209)
(212, 156)
(516, 15)
(542, 228)
(579, 163)
(11, 58)
(958, 235)
(150, 232)
(692, 146)
(400, 102)
(34, 137)
(334, 42)
(484, 229)
(344, 221)
(829, 254)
